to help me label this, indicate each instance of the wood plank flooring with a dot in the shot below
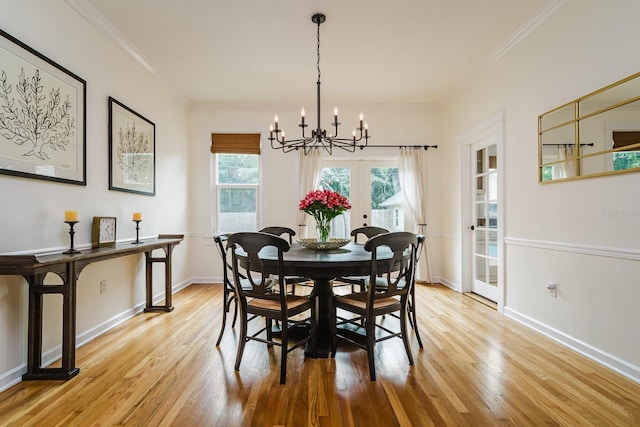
(478, 368)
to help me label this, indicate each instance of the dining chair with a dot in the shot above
(258, 297)
(229, 293)
(288, 233)
(353, 281)
(413, 320)
(387, 292)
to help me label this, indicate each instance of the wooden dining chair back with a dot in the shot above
(388, 288)
(353, 281)
(288, 233)
(368, 231)
(257, 295)
(229, 292)
(284, 232)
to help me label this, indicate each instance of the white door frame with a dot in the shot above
(490, 128)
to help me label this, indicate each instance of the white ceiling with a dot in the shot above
(264, 52)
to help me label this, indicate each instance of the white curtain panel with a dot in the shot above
(567, 168)
(412, 171)
(310, 168)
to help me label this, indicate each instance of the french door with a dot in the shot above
(484, 212)
(373, 189)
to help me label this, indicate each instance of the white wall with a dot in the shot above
(33, 210)
(558, 232)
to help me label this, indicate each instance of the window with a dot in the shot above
(237, 177)
(628, 158)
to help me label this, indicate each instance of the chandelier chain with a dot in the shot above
(318, 52)
(319, 138)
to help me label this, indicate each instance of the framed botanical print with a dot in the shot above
(132, 144)
(42, 116)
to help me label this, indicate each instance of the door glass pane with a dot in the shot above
(481, 242)
(481, 268)
(493, 272)
(492, 181)
(387, 202)
(480, 161)
(493, 215)
(481, 216)
(338, 179)
(481, 187)
(492, 243)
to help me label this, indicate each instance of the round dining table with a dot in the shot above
(322, 267)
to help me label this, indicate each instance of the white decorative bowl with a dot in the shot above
(323, 246)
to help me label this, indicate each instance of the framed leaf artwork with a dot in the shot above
(42, 116)
(132, 143)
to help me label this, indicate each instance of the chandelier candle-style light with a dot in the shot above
(319, 137)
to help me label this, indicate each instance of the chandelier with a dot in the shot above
(319, 137)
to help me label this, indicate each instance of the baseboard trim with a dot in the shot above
(14, 376)
(449, 284)
(615, 364)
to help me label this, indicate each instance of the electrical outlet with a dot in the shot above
(103, 286)
(552, 289)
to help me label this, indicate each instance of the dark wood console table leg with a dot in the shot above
(37, 290)
(168, 288)
(34, 268)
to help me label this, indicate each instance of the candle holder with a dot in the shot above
(72, 232)
(137, 242)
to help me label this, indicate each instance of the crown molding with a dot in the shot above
(548, 9)
(89, 12)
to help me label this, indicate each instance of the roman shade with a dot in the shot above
(235, 143)
(626, 138)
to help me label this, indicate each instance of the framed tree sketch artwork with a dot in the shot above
(42, 116)
(132, 144)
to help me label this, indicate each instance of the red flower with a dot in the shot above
(324, 204)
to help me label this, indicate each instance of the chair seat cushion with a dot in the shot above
(293, 302)
(359, 300)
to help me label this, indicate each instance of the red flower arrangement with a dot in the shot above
(323, 206)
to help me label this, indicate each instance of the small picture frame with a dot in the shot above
(132, 144)
(103, 231)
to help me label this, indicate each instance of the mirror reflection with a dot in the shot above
(598, 134)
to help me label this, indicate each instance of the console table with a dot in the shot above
(35, 267)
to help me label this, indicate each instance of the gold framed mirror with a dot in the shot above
(595, 135)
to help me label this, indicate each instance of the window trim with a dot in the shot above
(233, 143)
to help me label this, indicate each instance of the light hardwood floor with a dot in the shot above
(477, 368)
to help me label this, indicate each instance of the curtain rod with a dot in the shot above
(569, 144)
(362, 147)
